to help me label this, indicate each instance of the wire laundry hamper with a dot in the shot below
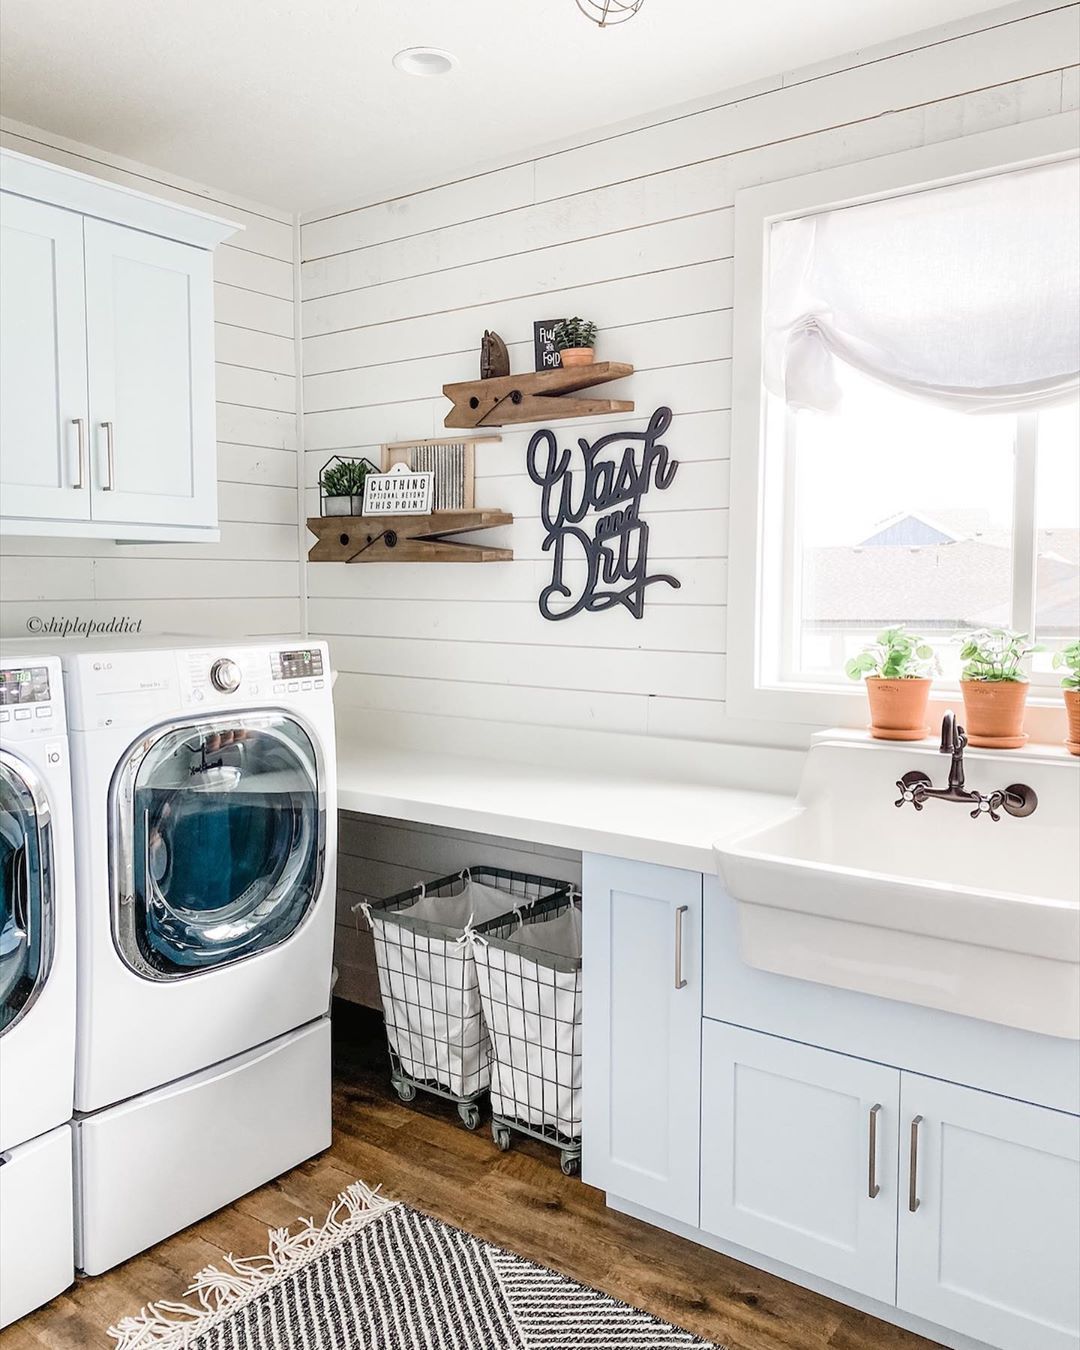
(427, 978)
(528, 966)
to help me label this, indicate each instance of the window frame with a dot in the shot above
(750, 692)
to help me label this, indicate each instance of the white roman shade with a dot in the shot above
(968, 295)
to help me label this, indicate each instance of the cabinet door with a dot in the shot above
(150, 348)
(990, 1216)
(798, 1156)
(641, 1072)
(43, 415)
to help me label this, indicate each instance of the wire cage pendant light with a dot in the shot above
(605, 13)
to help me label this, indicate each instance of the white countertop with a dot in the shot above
(662, 819)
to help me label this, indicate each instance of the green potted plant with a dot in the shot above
(1069, 658)
(897, 667)
(576, 341)
(341, 485)
(995, 687)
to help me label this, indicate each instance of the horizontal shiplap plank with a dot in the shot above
(691, 674)
(583, 710)
(260, 502)
(661, 294)
(468, 199)
(161, 579)
(250, 309)
(690, 628)
(242, 425)
(239, 540)
(257, 351)
(254, 272)
(256, 388)
(256, 464)
(703, 581)
(631, 252)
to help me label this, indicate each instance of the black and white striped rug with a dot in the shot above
(381, 1276)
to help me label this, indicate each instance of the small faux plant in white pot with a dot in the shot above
(995, 686)
(1068, 659)
(897, 667)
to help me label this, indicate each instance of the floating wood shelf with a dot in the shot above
(539, 396)
(363, 539)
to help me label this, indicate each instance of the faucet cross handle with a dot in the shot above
(912, 788)
(988, 806)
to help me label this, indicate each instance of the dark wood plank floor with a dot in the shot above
(423, 1156)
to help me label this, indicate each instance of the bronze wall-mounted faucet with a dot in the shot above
(1017, 799)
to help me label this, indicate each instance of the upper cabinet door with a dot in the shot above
(989, 1216)
(151, 376)
(44, 446)
(641, 1029)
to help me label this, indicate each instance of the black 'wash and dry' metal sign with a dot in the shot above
(593, 515)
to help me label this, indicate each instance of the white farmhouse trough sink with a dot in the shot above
(930, 907)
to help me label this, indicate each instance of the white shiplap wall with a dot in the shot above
(634, 229)
(250, 582)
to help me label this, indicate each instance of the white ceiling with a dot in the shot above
(295, 102)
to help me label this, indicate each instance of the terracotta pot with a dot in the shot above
(994, 713)
(1072, 708)
(898, 708)
(578, 356)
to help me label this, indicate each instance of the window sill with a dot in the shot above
(1036, 752)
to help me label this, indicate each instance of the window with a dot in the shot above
(906, 430)
(903, 512)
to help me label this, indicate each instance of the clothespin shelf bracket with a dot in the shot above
(538, 396)
(360, 539)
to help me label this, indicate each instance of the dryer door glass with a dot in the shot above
(220, 839)
(25, 890)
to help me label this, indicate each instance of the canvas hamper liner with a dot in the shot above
(427, 975)
(529, 974)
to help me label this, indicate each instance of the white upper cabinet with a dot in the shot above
(43, 403)
(149, 328)
(106, 359)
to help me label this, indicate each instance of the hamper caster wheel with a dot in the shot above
(470, 1115)
(501, 1135)
(570, 1164)
(405, 1091)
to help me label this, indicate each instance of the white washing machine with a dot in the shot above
(37, 987)
(206, 826)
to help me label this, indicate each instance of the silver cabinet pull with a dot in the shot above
(80, 431)
(872, 1187)
(913, 1167)
(110, 457)
(680, 983)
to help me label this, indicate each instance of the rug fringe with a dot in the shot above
(173, 1325)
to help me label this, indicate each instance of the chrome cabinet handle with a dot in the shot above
(110, 457)
(680, 983)
(872, 1187)
(913, 1167)
(80, 429)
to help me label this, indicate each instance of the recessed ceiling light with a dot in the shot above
(424, 61)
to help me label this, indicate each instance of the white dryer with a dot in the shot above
(37, 987)
(206, 827)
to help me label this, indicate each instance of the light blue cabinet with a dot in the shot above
(953, 1210)
(641, 934)
(989, 1216)
(798, 1156)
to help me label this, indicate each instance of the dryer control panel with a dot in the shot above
(31, 699)
(242, 674)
